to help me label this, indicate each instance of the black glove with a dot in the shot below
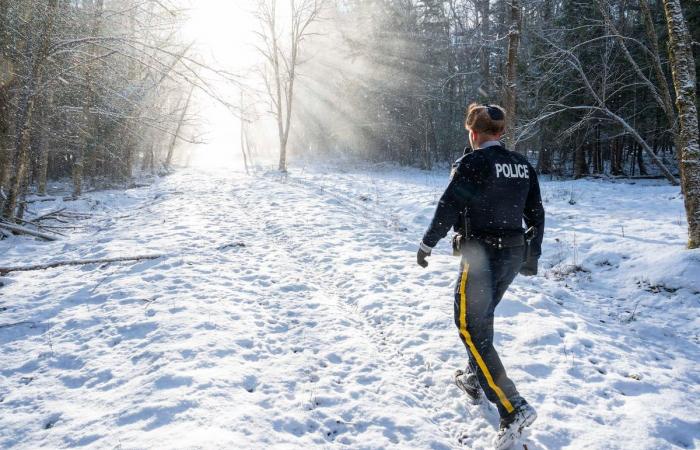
(422, 254)
(529, 267)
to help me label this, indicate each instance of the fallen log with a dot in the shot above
(23, 230)
(80, 262)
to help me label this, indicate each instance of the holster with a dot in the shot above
(463, 231)
(457, 241)
(530, 234)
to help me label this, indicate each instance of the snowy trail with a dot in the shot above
(289, 313)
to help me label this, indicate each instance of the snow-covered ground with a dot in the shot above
(290, 313)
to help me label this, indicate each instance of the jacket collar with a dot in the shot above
(490, 144)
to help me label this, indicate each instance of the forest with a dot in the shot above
(587, 84)
(96, 90)
(592, 88)
(89, 90)
(336, 224)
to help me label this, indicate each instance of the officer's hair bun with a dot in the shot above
(487, 119)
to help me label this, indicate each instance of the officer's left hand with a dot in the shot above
(529, 267)
(421, 258)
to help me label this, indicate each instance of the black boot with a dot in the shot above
(512, 426)
(469, 384)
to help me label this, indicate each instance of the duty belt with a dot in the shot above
(501, 242)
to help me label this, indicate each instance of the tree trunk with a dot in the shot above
(171, 147)
(126, 163)
(4, 167)
(6, 82)
(640, 161)
(36, 56)
(616, 157)
(88, 140)
(245, 157)
(580, 164)
(5, 139)
(145, 162)
(544, 160)
(684, 80)
(282, 167)
(595, 157)
(20, 158)
(275, 61)
(484, 52)
(77, 174)
(427, 159)
(44, 141)
(24, 187)
(289, 95)
(511, 73)
(661, 82)
(597, 152)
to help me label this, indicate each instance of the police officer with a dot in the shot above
(491, 191)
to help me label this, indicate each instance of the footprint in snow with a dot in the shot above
(250, 383)
(172, 382)
(245, 343)
(294, 287)
(587, 343)
(52, 420)
(572, 325)
(334, 358)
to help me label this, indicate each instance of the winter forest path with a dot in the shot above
(289, 310)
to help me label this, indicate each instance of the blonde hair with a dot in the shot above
(487, 119)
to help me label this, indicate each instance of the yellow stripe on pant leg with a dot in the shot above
(468, 339)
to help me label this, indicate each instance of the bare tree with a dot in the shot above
(660, 90)
(599, 94)
(282, 58)
(684, 81)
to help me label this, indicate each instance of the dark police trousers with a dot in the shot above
(486, 273)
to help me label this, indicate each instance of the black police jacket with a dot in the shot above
(499, 189)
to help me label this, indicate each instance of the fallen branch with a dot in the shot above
(625, 177)
(16, 324)
(77, 215)
(41, 199)
(66, 198)
(39, 227)
(48, 215)
(23, 230)
(53, 228)
(6, 270)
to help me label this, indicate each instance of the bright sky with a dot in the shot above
(223, 32)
